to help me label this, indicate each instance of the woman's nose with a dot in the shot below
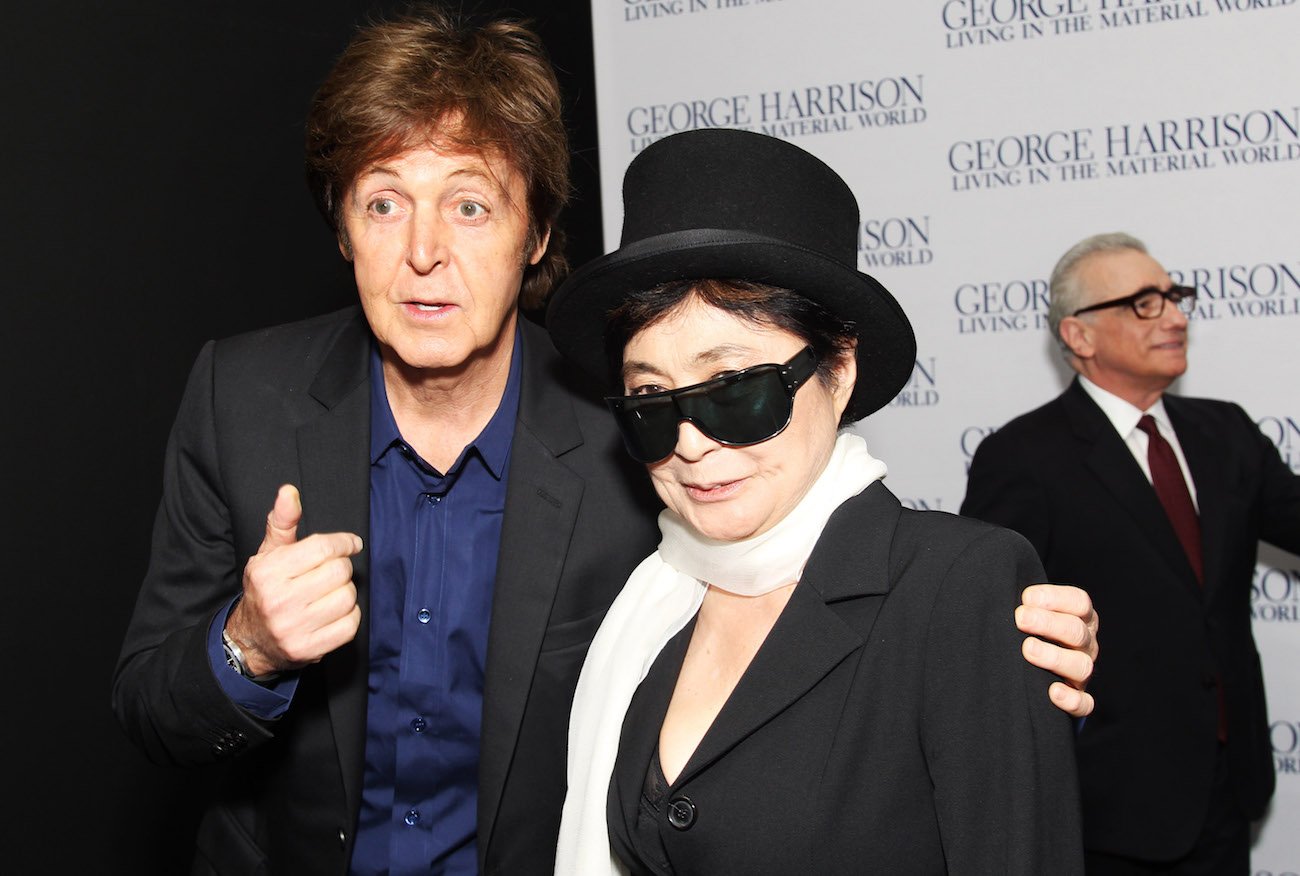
(692, 444)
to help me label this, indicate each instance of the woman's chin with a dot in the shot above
(726, 526)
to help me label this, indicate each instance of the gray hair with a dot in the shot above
(1065, 292)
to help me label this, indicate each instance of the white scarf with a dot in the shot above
(660, 597)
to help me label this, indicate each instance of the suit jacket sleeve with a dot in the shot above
(164, 692)
(1001, 756)
(1001, 488)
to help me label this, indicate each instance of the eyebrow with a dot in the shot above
(468, 171)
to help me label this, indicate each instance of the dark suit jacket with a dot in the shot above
(292, 405)
(1063, 477)
(887, 724)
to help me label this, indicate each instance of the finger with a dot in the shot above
(338, 633)
(1059, 597)
(289, 605)
(330, 605)
(1074, 667)
(282, 521)
(1064, 629)
(1076, 703)
(297, 559)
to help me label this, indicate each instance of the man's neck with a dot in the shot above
(1141, 397)
(440, 411)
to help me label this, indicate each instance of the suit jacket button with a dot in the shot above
(681, 813)
(343, 838)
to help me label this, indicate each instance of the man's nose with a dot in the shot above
(1174, 316)
(427, 247)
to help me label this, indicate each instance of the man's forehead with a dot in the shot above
(458, 160)
(1111, 272)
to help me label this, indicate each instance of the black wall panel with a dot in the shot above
(153, 198)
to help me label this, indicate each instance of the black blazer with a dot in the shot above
(292, 404)
(887, 724)
(1063, 477)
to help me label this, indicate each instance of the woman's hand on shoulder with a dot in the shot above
(1062, 628)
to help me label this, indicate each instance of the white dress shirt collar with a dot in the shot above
(1124, 417)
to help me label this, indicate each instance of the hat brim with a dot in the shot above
(886, 353)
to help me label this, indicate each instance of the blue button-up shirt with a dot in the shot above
(434, 539)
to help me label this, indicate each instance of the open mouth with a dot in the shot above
(427, 306)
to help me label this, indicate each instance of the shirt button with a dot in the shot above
(412, 817)
(424, 615)
(681, 813)
(418, 725)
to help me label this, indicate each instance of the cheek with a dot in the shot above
(373, 265)
(663, 484)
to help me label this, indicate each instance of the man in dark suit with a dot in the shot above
(1155, 504)
(384, 694)
(384, 664)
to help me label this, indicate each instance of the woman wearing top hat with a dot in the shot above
(805, 677)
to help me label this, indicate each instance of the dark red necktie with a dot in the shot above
(1170, 486)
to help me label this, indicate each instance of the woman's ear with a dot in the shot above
(845, 377)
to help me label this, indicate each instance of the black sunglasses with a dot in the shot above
(745, 407)
(1149, 302)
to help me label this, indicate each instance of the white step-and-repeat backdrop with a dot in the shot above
(983, 138)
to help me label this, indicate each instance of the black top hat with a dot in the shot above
(735, 205)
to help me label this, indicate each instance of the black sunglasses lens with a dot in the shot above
(745, 410)
(746, 407)
(649, 428)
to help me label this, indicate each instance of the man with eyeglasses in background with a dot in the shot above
(1154, 504)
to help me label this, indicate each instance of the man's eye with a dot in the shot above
(471, 209)
(645, 389)
(383, 206)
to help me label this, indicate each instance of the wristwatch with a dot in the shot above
(235, 660)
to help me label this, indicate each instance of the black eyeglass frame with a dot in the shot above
(1176, 294)
(792, 375)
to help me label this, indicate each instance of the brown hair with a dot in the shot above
(431, 75)
(830, 337)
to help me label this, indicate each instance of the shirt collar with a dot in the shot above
(492, 444)
(1123, 415)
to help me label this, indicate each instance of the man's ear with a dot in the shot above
(536, 253)
(345, 245)
(1077, 335)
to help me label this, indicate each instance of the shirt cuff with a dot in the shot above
(265, 701)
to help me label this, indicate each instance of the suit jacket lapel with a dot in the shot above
(1205, 462)
(641, 725)
(542, 499)
(1109, 459)
(334, 458)
(811, 637)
